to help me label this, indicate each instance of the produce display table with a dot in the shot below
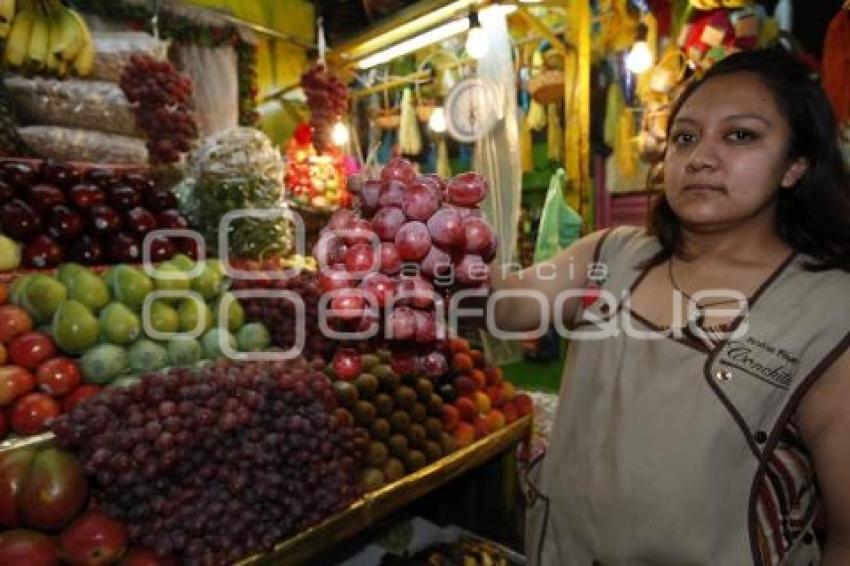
(380, 503)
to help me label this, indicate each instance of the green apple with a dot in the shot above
(10, 254)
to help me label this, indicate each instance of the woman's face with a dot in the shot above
(727, 154)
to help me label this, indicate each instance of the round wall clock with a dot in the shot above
(472, 109)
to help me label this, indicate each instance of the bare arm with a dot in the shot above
(566, 271)
(825, 425)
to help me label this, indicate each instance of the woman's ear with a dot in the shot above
(795, 172)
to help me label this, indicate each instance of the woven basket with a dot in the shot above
(388, 117)
(547, 87)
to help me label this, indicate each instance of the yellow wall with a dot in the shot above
(279, 63)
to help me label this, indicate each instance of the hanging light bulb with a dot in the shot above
(639, 59)
(339, 134)
(437, 121)
(477, 43)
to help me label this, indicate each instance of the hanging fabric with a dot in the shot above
(409, 140)
(536, 119)
(526, 146)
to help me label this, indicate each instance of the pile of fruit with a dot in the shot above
(160, 97)
(100, 215)
(36, 382)
(100, 318)
(327, 99)
(314, 180)
(45, 36)
(401, 412)
(214, 465)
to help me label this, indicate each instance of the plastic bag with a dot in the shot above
(560, 225)
(114, 49)
(72, 103)
(238, 152)
(215, 93)
(66, 144)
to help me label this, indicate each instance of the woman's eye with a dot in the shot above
(682, 138)
(740, 136)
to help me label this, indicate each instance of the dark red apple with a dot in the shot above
(86, 250)
(7, 191)
(18, 175)
(124, 197)
(162, 249)
(85, 196)
(44, 197)
(186, 246)
(59, 174)
(124, 248)
(14, 466)
(102, 177)
(104, 219)
(160, 199)
(19, 220)
(139, 181)
(92, 539)
(140, 221)
(42, 252)
(171, 219)
(21, 546)
(64, 223)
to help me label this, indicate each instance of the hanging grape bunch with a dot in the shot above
(160, 96)
(327, 98)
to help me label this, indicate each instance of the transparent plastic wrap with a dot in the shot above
(72, 103)
(114, 49)
(237, 169)
(238, 152)
(215, 94)
(67, 144)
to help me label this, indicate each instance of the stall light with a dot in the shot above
(437, 121)
(440, 33)
(339, 134)
(639, 59)
(477, 43)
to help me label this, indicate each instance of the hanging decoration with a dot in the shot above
(409, 140)
(555, 135)
(185, 30)
(313, 179)
(327, 99)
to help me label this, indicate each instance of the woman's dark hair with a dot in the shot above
(813, 217)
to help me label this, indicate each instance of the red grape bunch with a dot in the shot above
(433, 242)
(279, 316)
(215, 465)
(161, 97)
(327, 98)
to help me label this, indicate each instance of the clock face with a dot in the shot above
(472, 109)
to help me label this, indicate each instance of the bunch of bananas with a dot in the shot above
(45, 36)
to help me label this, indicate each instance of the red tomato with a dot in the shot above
(58, 376)
(77, 396)
(31, 412)
(29, 350)
(13, 321)
(14, 382)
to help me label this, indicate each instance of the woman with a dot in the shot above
(698, 429)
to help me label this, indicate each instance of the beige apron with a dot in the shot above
(663, 451)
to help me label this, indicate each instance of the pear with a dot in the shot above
(146, 355)
(118, 324)
(164, 318)
(253, 337)
(169, 277)
(89, 289)
(194, 313)
(130, 286)
(235, 313)
(183, 351)
(75, 329)
(67, 271)
(10, 254)
(208, 283)
(43, 296)
(183, 262)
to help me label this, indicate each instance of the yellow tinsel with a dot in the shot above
(555, 135)
(526, 147)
